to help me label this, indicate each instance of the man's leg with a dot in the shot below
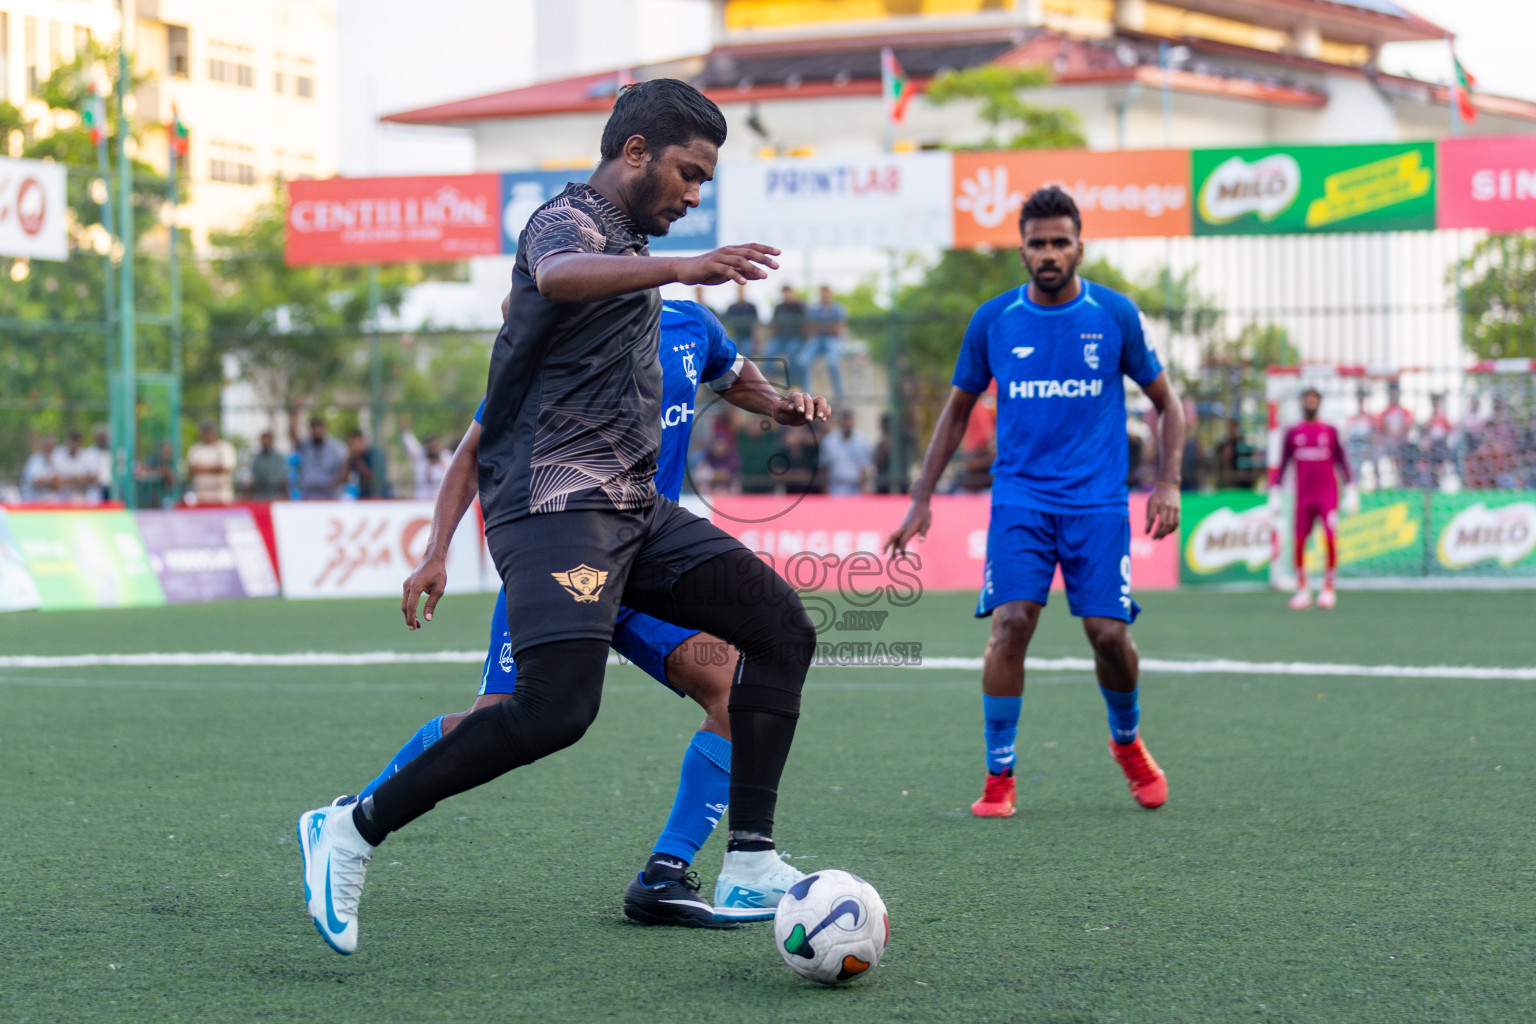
(1300, 534)
(1021, 560)
(1096, 565)
(1327, 599)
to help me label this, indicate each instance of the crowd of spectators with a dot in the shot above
(795, 336)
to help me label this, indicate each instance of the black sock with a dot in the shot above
(663, 867)
(362, 817)
(748, 842)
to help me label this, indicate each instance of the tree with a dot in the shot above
(997, 88)
(1498, 297)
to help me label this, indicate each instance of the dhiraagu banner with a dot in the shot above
(1228, 537)
(1274, 190)
(86, 559)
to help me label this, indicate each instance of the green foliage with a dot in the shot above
(998, 88)
(1498, 297)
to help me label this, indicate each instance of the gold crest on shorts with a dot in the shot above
(584, 583)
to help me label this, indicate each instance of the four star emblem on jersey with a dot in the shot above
(584, 583)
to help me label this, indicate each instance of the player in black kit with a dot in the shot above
(573, 520)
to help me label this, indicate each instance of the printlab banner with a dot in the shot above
(896, 202)
(18, 592)
(1310, 189)
(86, 559)
(365, 548)
(32, 209)
(522, 192)
(207, 554)
(843, 536)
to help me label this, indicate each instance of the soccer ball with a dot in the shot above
(831, 927)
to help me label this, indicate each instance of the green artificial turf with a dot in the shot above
(1334, 849)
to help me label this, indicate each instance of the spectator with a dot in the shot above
(827, 324)
(359, 469)
(741, 322)
(1361, 444)
(847, 458)
(156, 477)
(978, 445)
(1393, 428)
(429, 459)
(717, 471)
(39, 480)
(211, 467)
(888, 451)
(1435, 440)
(101, 447)
(269, 471)
(797, 462)
(787, 330)
(1473, 423)
(322, 462)
(1236, 462)
(757, 445)
(78, 471)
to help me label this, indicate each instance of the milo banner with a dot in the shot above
(1484, 534)
(1384, 539)
(1310, 189)
(1228, 537)
(17, 590)
(86, 559)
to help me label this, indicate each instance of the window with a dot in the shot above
(304, 86)
(235, 172)
(5, 57)
(55, 45)
(82, 40)
(29, 42)
(278, 84)
(232, 72)
(178, 57)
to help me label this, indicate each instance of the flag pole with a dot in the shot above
(887, 83)
(1450, 94)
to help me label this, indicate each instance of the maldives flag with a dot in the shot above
(895, 85)
(1463, 90)
(95, 116)
(180, 138)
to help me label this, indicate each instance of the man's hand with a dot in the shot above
(1350, 506)
(429, 578)
(1163, 510)
(739, 263)
(798, 408)
(914, 524)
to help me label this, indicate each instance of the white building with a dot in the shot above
(255, 84)
(802, 78)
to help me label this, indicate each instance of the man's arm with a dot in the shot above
(460, 484)
(570, 276)
(753, 392)
(947, 434)
(1163, 506)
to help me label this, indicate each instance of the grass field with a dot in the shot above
(1335, 848)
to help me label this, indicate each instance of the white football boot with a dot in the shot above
(335, 859)
(751, 884)
(1327, 599)
(1301, 601)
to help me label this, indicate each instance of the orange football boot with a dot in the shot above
(1148, 783)
(997, 799)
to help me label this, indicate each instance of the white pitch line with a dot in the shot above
(1215, 666)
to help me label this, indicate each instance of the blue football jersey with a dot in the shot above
(694, 350)
(1061, 440)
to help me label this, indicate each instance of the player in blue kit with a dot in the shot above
(1059, 348)
(694, 348)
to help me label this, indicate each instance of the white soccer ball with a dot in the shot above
(831, 927)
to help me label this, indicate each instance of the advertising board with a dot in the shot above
(33, 209)
(365, 548)
(391, 220)
(1311, 189)
(207, 554)
(1487, 182)
(18, 591)
(86, 559)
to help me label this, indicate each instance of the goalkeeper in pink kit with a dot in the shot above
(1317, 452)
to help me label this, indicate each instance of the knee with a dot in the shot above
(552, 726)
(1012, 626)
(1108, 637)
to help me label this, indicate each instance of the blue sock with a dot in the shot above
(1002, 725)
(1124, 715)
(424, 738)
(702, 793)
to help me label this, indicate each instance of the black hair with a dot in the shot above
(665, 112)
(1049, 201)
(1312, 391)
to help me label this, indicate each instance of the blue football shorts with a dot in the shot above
(640, 639)
(1093, 549)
